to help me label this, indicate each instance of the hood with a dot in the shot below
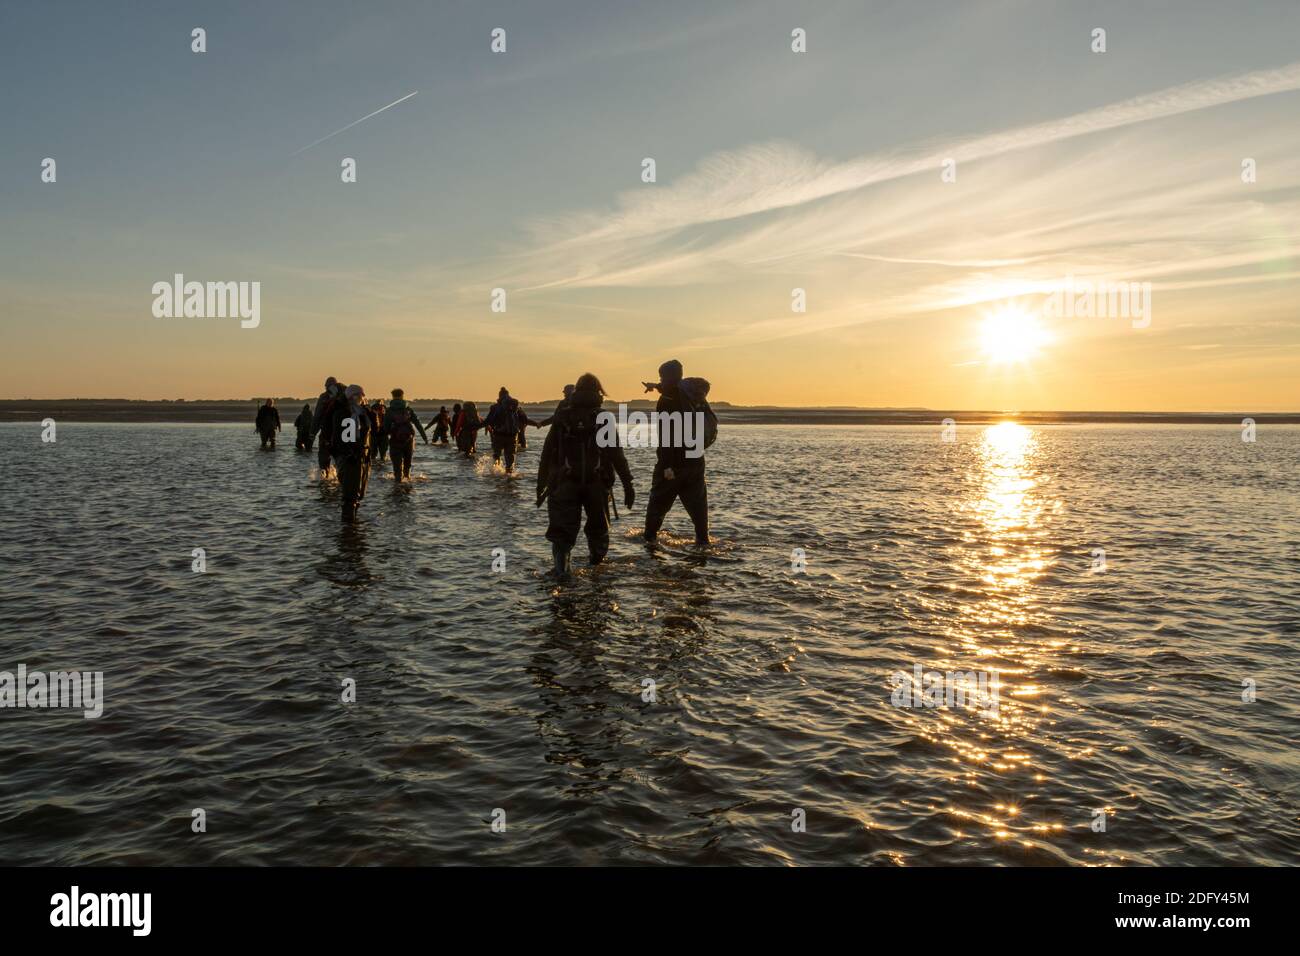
(585, 399)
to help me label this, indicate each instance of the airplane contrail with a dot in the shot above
(355, 122)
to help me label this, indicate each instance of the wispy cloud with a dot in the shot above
(772, 176)
(1137, 203)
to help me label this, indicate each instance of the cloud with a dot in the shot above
(771, 176)
(1140, 203)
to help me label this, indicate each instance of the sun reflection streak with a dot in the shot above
(998, 621)
(1005, 548)
(1009, 508)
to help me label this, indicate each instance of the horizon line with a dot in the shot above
(720, 404)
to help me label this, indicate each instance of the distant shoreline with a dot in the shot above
(142, 412)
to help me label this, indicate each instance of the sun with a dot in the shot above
(1011, 334)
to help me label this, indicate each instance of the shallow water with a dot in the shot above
(1120, 690)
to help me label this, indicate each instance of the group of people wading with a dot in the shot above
(576, 472)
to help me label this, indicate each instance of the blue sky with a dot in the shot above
(775, 170)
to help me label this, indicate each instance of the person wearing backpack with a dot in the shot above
(441, 426)
(268, 422)
(465, 428)
(677, 475)
(352, 430)
(576, 472)
(503, 424)
(377, 411)
(400, 425)
(521, 439)
(320, 421)
(303, 424)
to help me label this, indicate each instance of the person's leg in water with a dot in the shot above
(694, 492)
(508, 446)
(498, 445)
(395, 450)
(323, 456)
(350, 483)
(407, 453)
(662, 495)
(564, 516)
(594, 495)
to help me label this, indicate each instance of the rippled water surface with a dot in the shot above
(1120, 690)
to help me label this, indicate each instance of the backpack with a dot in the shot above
(327, 418)
(695, 393)
(359, 447)
(577, 453)
(504, 417)
(400, 429)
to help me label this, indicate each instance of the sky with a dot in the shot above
(925, 283)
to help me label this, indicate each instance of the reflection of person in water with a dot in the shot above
(589, 668)
(345, 565)
(582, 714)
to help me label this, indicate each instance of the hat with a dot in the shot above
(355, 392)
(670, 373)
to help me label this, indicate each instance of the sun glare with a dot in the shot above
(1012, 335)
